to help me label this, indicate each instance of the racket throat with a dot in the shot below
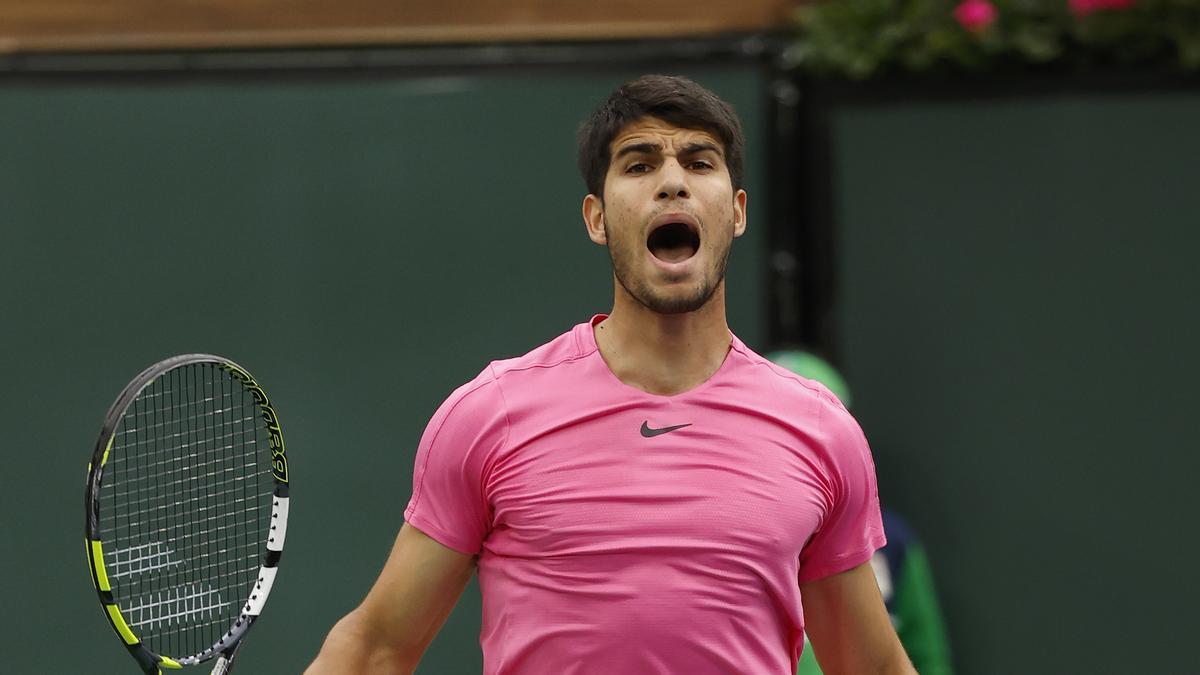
(224, 664)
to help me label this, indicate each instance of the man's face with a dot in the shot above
(669, 215)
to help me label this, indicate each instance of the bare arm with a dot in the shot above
(849, 627)
(391, 629)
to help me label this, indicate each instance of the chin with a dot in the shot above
(675, 304)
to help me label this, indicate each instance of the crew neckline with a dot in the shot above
(588, 342)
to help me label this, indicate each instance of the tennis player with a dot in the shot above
(643, 494)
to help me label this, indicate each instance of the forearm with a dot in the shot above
(897, 663)
(867, 659)
(388, 633)
(849, 627)
(890, 658)
(352, 648)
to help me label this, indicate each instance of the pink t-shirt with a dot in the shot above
(610, 542)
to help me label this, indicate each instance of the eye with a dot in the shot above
(700, 165)
(638, 167)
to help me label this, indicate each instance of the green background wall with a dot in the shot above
(362, 244)
(1018, 317)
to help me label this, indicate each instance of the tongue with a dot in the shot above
(673, 254)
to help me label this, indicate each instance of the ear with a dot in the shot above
(739, 213)
(593, 219)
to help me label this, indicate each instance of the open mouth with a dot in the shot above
(673, 242)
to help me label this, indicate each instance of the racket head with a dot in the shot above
(187, 504)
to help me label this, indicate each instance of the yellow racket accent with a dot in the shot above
(114, 613)
(98, 563)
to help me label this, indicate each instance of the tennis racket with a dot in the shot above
(187, 507)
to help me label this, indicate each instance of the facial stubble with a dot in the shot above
(642, 291)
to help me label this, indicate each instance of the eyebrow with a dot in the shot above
(696, 148)
(638, 148)
(650, 148)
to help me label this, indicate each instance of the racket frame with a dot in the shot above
(151, 662)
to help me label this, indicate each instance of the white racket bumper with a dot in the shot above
(279, 518)
(258, 598)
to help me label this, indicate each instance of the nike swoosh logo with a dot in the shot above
(651, 433)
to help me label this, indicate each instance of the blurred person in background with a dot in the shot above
(901, 566)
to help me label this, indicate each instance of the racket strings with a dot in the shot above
(141, 497)
(186, 507)
(154, 434)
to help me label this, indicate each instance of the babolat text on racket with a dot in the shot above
(187, 507)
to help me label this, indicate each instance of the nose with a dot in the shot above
(674, 182)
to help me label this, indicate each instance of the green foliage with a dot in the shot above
(859, 39)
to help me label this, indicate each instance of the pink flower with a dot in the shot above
(977, 15)
(1082, 8)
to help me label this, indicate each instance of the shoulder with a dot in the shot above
(487, 388)
(561, 350)
(806, 405)
(785, 385)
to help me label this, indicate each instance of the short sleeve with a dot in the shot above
(448, 502)
(852, 529)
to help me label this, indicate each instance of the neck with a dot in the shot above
(663, 354)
